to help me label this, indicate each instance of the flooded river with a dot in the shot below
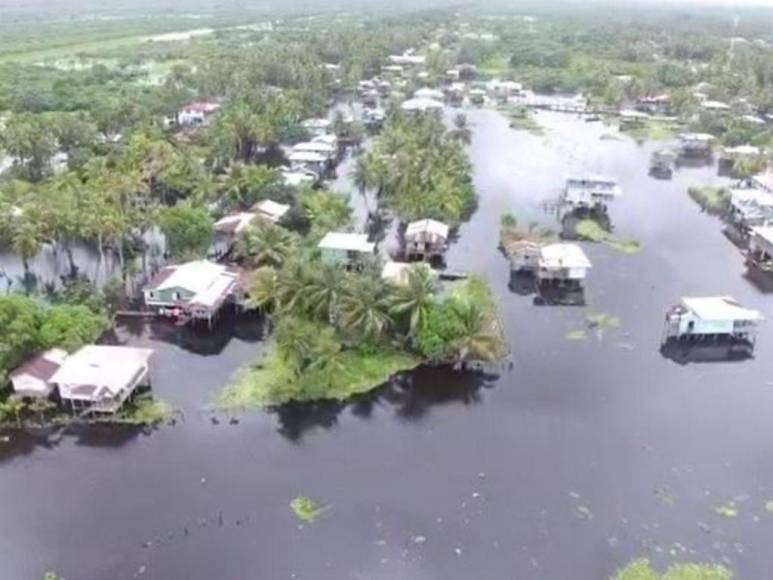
(576, 458)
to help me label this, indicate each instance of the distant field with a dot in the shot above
(29, 41)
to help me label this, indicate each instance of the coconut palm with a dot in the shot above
(293, 287)
(480, 339)
(26, 242)
(414, 298)
(461, 131)
(364, 309)
(264, 244)
(262, 289)
(327, 286)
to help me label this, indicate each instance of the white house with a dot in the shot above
(761, 247)
(427, 93)
(316, 126)
(563, 263)
(422, 105)
(33, 378)
(270, 210)
(194, 290)
(345, 248)
(695, 144)
(764, 180)
(101, 377)
(426, 238)
(234, 223)
(751, 207)
(590, 192)
(716, 316)
(197, 113)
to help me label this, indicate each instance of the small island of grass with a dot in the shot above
(713, 200)
(591, 231)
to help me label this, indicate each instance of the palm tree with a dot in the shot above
(481, 339)
(294, 284)
(364, 308)
(262, 289)
(414, 298)
(26, 241)
(461, 131)
(327, 287)
(264, 244)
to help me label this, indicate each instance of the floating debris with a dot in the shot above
(306, 509)
(769, 506)
(728, 510)
(584, 512)
(576, 335)
(602, 320)
(664, 494)
(419, 539)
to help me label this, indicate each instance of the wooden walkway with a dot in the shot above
(573, 108)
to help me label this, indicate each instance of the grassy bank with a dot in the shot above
(591, 231)
(521, 119)
(713, 200)
(271, 381)
(652, 131)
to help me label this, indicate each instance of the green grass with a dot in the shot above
(307, 510)
(144, 410)
(270, 382)
(652, 131)
(591, 231)
(713, 200)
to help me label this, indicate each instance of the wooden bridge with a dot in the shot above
(574, 108)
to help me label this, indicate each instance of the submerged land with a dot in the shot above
(362, 413)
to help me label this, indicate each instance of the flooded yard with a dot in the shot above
(577, 456)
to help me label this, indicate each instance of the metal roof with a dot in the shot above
(720, 308)
(346, 241)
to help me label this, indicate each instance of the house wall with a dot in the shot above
(167, 296)
(29, 386)
(701, 326)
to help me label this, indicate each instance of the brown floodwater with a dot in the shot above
(570, 460)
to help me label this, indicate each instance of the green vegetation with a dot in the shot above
(511, 233)
(419, 169)
(729, 510)
(641, 569)
(590, 230)
(30, 326)
(341, 333)
(713, 200)
(273, 381)
(576, 335)
(602, 320)
(307, 510)
(188, 231)
(652, 131)
(521, 119)
(143, 410)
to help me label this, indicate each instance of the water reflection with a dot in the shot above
(684, 353)
(202, 340)
(410, 395)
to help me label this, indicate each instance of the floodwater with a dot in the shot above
(578, 457)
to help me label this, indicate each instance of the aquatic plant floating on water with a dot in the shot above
(729, 510)
(591, 231)
(602, 320)
(307, 510)
(576, 335)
